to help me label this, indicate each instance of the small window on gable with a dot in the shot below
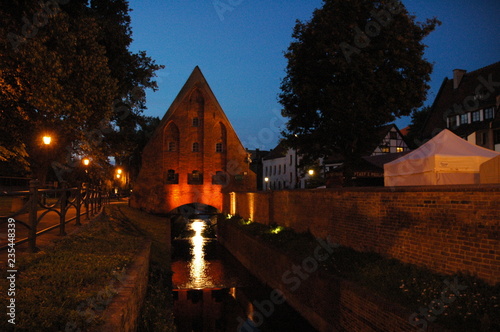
(172, 146)
(196, 147)
(219, 148)
(393, 135)
(196, 122)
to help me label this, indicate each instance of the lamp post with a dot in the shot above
(46, 142)
(266, 180)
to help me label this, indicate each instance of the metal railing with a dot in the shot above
(30, 208)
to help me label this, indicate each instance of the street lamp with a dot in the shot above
(86, 161)
(310, 172)
(266, 180)
(46, 140)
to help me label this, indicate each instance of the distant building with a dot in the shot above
(193, 155)
(280, 166)
(468, 105)
(256, 165)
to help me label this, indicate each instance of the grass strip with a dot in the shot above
(157, 312)
(66, 286)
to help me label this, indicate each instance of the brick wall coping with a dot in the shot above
(437, 188)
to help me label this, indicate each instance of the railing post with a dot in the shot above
(78, 202)
(33, 216)
(62, 219)
(86, 201)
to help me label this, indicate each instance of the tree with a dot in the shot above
(66, 71)
(418, 119)
(355, 66)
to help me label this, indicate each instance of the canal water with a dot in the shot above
(212, 291)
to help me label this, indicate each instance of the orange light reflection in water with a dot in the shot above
(198, 267)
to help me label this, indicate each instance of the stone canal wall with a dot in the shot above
(328, 303)
(444, 228)
(123, 311)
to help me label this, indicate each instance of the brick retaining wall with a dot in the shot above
(328, 303)
(444, 228)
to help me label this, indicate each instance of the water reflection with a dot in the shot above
(198, 267)
(212, 291)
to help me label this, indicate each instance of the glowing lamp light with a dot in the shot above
(277, 230)
(311, 172)
(119, 171)
(266, 179)
(47, 140)
(118, 176)
(86, 161)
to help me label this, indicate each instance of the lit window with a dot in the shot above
(219, 148)
(488, 113)
(172, 146)
(399, 149)
(464, 118)
(476, 116)
(196, 122)
(196, 147)
(385, 149)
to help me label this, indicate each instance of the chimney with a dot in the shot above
(458, 74)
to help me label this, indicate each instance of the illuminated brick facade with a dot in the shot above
(193, 155)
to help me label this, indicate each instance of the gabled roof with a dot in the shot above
(196, 79)
(279, 151)
(470, 84)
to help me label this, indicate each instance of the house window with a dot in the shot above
(172, 147)
(393, 135)
(452, 121)
(279, 169)
(399, 149)
(221, 178)
(496, 137)
(219, 148)
(284, 169)
(274, 170)
(476, 116)
(290, 159)
(488, 113)
(196, 147)
(385, 149)
(195, 177)
(265, 171)
(172, 177)
(464, 118)
(196, 122)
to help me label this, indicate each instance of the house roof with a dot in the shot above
(278, 152)
(449, 100)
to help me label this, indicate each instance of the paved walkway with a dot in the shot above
(45, 239)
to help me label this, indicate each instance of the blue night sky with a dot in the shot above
(240, 49)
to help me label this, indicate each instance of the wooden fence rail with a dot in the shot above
(29, 208)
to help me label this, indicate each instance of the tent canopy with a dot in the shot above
(445, 159)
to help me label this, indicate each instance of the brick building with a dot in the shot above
(193, 155)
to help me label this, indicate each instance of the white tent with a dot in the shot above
(445, 159)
